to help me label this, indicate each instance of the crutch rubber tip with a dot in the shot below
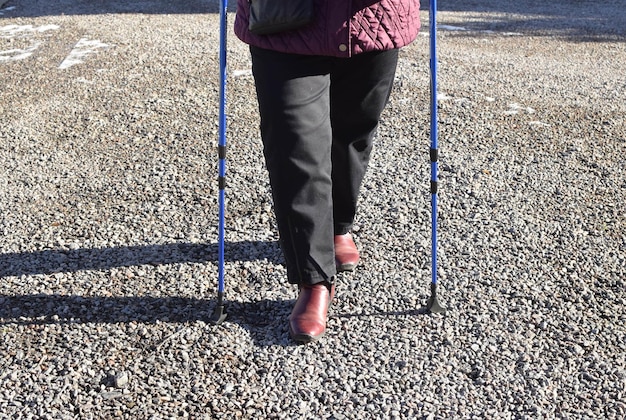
(219, 315)
(433, 305)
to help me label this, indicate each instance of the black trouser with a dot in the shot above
(318, 120)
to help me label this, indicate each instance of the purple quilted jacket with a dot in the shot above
(342, 28)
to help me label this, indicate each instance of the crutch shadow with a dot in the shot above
(73, 260)
(265, 320)
(42, 309)
(408, 312)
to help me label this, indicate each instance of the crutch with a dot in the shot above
(433, 303)
(219, 313)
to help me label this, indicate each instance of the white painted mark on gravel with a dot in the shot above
(18, 53)
(239, 73)
(501, 33)
(83, 48)
(515, 108)
(24, 31)
(451, 28)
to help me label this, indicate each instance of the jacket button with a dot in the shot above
(343, 47)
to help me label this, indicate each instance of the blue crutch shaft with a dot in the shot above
(434, 134)
(433, 303)
(219, 313)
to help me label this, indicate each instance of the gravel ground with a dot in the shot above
(108, 207)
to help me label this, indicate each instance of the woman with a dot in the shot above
(321, 89)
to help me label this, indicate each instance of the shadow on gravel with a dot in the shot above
(265, 320)
(584, 19)
(62, 309)
(37, 8)
(578, 21)
(63, 261)
(409, 312)
(574, 20)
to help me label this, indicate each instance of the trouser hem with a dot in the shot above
(312, 277)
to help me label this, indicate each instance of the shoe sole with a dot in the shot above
(304, 338)
(347, 267)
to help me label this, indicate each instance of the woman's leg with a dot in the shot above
(293, 96)
(360, 89)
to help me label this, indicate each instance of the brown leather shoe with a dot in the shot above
(307, 321)
(346, 254)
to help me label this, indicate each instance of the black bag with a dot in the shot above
(272, 16)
